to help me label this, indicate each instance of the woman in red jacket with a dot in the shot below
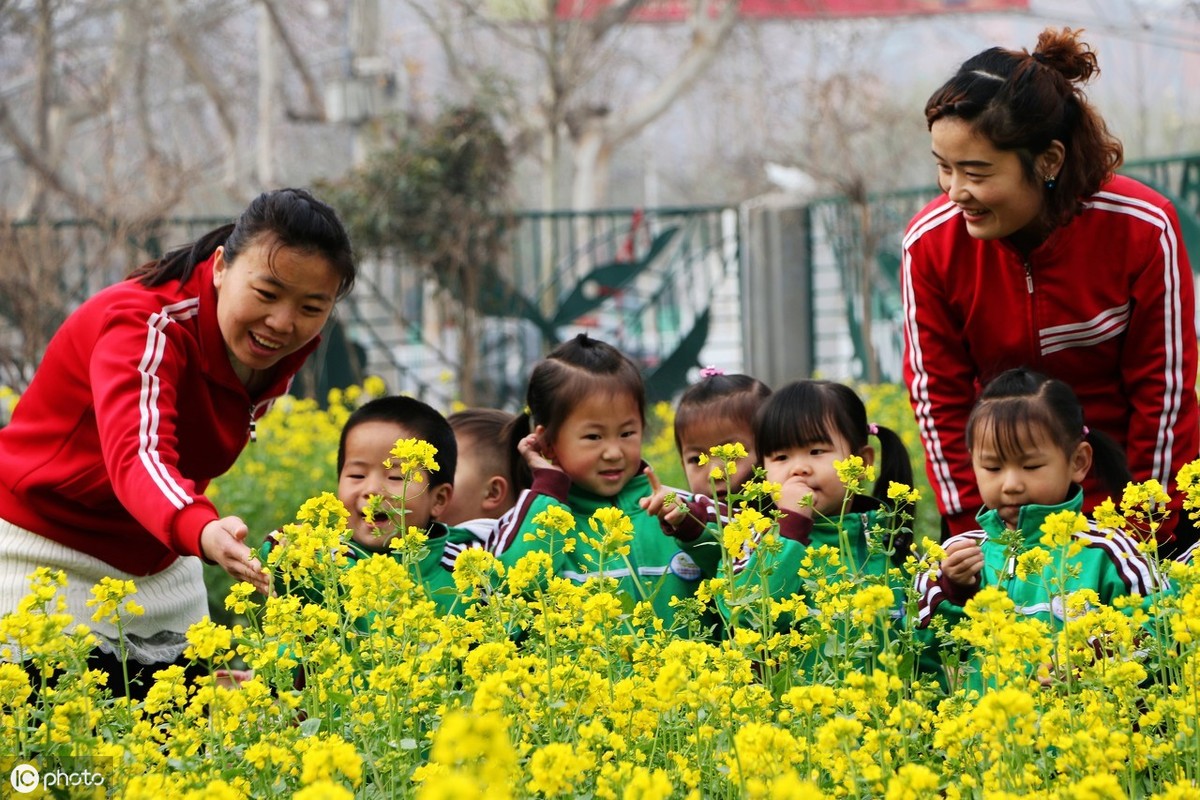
(146, 393)
(1038, 255)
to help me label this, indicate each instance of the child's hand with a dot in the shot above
(530, 449)
(663, 504)
(794, 496)
(963, 563)
(658, 495)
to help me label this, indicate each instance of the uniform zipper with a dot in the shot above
(253, 423)
(1029, 276)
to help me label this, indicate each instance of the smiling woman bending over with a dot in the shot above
(145, 394)
(1038, 255)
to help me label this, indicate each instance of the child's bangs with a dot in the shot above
(730, 411)
(782, 429)
(1010, 427)
(580, 385)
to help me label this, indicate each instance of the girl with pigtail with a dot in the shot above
(580, 439)
(808, 434)
(816, 457)
(1031, 449)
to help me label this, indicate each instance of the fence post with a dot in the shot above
(776, 293)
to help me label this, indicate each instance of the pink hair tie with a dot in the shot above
(872, 429)
(1086, 431)
(711, 372)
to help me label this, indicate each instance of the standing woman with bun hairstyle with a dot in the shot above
(147, 392)
(1039, 255)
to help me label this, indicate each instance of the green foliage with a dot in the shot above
(435, 196)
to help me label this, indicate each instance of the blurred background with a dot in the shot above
(699, 182)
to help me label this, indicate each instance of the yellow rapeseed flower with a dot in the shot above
(741, 533)
(1032, 562)
(556, 769)
(556, 519)
(374, 386)
(898, 492)
(209, 641)
(913, 782)
(328, 757)
(871, 601)
(615, 529)
(1145, 504)
(415, 456)
(854, 474)
(107, 596)
(1060, 529)
(324, 790)
(14, 685)
(731, 452)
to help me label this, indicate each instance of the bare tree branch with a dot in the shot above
(708, 35)
(31, 155)
(198, 68)
(316, 103)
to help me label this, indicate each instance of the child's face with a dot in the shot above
(599, 445)
(1040, 472)
(367, 446)
(697, 439)
(478, 492)
(802, 471)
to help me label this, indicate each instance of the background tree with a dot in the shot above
(438, 196)
(573, 86)
(124, 109)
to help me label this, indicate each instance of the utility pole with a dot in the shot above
(368, 89)
(268, 86)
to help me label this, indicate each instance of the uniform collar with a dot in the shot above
(1030, 518)
(585, 502)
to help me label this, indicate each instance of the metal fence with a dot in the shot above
(672, 287)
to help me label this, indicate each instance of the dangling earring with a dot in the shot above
(1051, 182)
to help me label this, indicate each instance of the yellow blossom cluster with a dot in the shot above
(541, 687)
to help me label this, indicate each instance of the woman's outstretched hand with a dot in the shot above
(223, 542)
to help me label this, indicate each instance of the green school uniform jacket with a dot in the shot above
(800, 536)
(1110, 563)
(658, 568)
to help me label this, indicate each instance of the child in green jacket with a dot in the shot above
(843, 553)
(586, 404)
(383, 505)
(1030, 450)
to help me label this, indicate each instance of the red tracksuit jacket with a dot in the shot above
(1105, 304)
(133, 410)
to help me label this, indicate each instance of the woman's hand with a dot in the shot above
(223, 542)
(530, 449)
(963, 563)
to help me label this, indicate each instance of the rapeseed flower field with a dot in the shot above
(541, 687)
